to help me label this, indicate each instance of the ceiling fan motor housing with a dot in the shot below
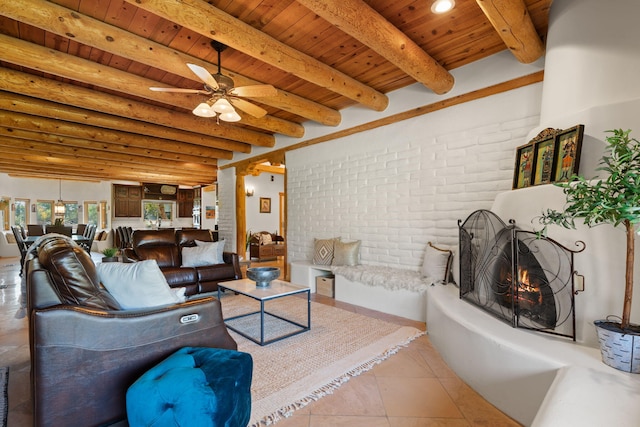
(225, 82)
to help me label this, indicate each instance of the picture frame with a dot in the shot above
(567, 153)
(523, 173)
(265, 205)
(544, 161)
(552, 156)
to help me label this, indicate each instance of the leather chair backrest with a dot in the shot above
(159, 245)
(73, 273)
(188, 237)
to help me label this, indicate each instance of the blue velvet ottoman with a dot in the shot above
(194, 387)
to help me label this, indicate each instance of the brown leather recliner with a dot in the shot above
(85, 350)
(165, 246)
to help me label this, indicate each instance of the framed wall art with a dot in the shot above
(544, 161)
(524, 166)
(265, 205)
(552, 156)
(567, 155)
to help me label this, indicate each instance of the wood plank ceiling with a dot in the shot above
(75, 74)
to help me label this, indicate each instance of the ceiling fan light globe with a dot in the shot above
(222, 106)
(230, 116)
(442, 6)
(204, 110)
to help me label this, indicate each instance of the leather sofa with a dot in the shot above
(85, 350)
(165, 246)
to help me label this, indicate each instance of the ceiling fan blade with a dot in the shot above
(254, 91)
(249, 108)
(204, 75)
(169, 89)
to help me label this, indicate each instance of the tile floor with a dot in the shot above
(413, 388)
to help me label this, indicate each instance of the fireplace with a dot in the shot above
(520, 278)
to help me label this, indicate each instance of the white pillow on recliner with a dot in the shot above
(219, 246)
(138, 284)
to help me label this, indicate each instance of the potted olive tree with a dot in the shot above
(614, 200)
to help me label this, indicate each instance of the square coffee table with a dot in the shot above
(277, 289)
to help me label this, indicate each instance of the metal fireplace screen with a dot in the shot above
(518, 277)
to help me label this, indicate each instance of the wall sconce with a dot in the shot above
(249, 191)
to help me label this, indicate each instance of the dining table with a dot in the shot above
(79, 239)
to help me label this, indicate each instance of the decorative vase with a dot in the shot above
(620, 349)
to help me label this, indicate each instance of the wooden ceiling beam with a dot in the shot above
(512, 22)
(55, 161)
(17, 145)
(101, 149)
(211, 22)
(51, 61)
(29, 166)
(36, 175)
(363, 23)
(269, 169)
(58, 127)
(92, 32)
(52, 110)
(143, 118)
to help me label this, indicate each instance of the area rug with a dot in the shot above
(4, 397)
(291, 373)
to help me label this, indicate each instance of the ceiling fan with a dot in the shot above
(223, 96)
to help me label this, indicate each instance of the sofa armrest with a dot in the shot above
(115, 348)
(232, 258)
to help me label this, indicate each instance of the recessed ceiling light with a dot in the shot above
(442, 6)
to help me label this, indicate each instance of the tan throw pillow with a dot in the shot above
(10, 238)
(437, 264)
(346, 253)
(323, 251)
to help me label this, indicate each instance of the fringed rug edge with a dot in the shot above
(328, 388)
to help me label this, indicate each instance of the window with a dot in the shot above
(91, 212)
(154, 211)
(44, 212)
(71, 213)
(21, 212)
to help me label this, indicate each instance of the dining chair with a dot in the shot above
(80, 229)
(22, 247)
(35, 229)
(65, 230)
(90, 234)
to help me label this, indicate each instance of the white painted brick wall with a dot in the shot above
(226, 205)
(396, 190)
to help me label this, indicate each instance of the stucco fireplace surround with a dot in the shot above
(538, 379)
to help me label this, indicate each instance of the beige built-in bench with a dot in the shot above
(390, 290)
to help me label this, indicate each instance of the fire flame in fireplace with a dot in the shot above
(528, 291)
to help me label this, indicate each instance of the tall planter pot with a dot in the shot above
(620, 349)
